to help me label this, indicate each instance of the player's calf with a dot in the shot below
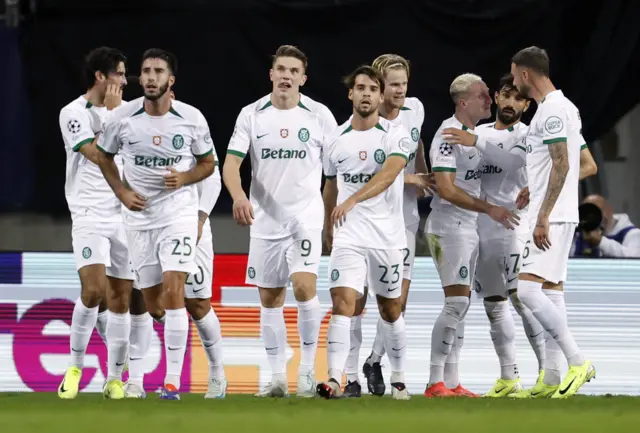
(139, 343)
(395, 342)
(118, 333)
(176, 328)
(309, 319)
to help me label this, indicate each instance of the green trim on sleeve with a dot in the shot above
(104, 151)
(445, 169)
(405, 109)
(236, 153)
(584, 146)
(82, 143)
(520, 147)
(554, 140)
(330, 177)
(399, 154)
(204, 155)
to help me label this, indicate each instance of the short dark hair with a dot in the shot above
(506, 83)
(534, 58)
(157, 53)
(369, 71)
(290, 51)
(102, 59)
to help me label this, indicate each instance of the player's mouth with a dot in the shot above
(284, 86)
(151, 87)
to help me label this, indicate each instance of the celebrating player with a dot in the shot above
(452, 230)
(167, 148)
(99, 240)
(283, 132)
(409, 112)
(367, 154)
(553, 143)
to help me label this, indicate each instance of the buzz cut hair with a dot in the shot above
(390, 61)
(534, 58)
(350, 80)
(290, 51)
(461, 84)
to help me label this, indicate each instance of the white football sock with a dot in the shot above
(533, 329)
(503, 334)
(83, 321)
(530, 293)
(309, 319)
(443, 336)
(274, 334)
(377, 351)
(395, 342)
(176, 333)
(556, 361)
(101, 325)
(352, 364)
(139, 343)
(118, 331)
(211, 337)
(451, 376)
(338, 340)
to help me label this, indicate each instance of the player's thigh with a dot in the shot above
(267, 263)
(177, 247)
(198, 284)
(384, 272)
(143, 252)
(491, 273)
(121, 265)
(303, 262)
(409, 253)
(455, 256)
(348, 268)
(550, 264)
(90, 246)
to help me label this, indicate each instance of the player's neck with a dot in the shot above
(283, 102)
(94, 96)
(359, 123)
(466, 120)
(543, 87)
(502, 126)
(388, 112)
(159, 107)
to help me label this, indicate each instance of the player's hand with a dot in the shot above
(504, 216)
(339, 214)
(113, 97)
(175, 179)
(458, 136)
(593, 238)
(243, 212)
(132, 200)
(427, 182)
(541, 234)
(522, 200)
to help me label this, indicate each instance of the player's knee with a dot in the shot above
(517, 304)
(119, 295)
(390, 309)
(173, 290)
(272, 298)
(344, 301)
(198, 308)
(304, 288)
(94, 288)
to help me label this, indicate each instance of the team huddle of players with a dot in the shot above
(141, 182)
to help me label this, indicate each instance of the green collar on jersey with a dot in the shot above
(350, 128)
(405, 109)
(464, 128)
(269, 104)
(510, 129)
(89, 105)
(171, 110)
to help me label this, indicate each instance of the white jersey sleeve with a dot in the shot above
(399, 143)
(508, 159)
(555, 121)
(203, 145)
(209, 191)
(444, 156)
(329, 124)
(419, 111)
(76, 129)
(241, 137)
(328, 166)
(109, 141)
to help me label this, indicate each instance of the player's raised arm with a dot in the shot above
(236, 152)
(509, 160)
(588, 166)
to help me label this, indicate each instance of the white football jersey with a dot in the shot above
(286, 162)
(465, 163)
(411, 117)
(89, 196)
(354, 157)
(149, 146)
(555, 120)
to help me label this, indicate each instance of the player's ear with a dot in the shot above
(99, 77)
(271, 74)
(526, 106)
(351, 94)
(303, 80)
(495, 97)
(172, 80)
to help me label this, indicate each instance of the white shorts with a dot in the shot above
(105, 244)
(409, 253)
(156, 251)
(198, 285)
(499, 262)
(357, 267)
(552, 263)
(271, 262)
(455, 256)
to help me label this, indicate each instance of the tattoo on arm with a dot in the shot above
(559, 170)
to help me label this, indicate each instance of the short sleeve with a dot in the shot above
(443, 154)
(399, 143)
(203, 144)
(327, 166)
(76, 128)
(109, 140)
(329, 124)
(420, 112)
(241, 137)
(554, 124)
